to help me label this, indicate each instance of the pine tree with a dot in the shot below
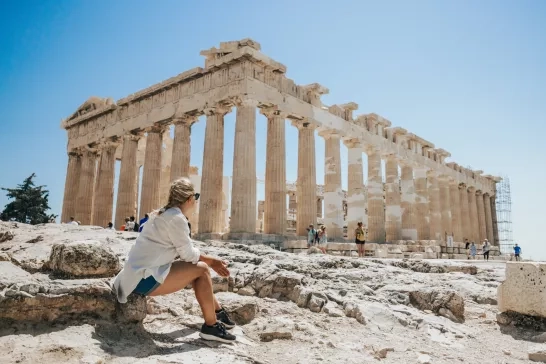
(29, 205)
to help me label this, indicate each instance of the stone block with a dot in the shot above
(524, 289)
(295, 244)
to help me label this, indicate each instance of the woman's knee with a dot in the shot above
(203, 268)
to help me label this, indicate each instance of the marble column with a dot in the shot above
(333, 194)
(84, 201)
(494, 218)
(393, 212)
(104, 186)
(482, 230)
(71, 185)
(126, 204)
(180, 161)
(445, 206)
(275, 174)
(408, 198)
(422, 204)
(488, 218)
(151, 176)
(210, 207)
(356, 194)
(473, 208)
(435, 225)
(306, 212)
(466, 224)
(243, 187)
(455, 206)
(376, 204)
(319, 207)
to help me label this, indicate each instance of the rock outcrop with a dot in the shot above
(84, 259)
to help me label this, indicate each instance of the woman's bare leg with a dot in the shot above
(181, 275)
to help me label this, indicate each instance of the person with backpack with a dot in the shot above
(360, 239)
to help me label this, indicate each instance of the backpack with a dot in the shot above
(316, 235)
(136, 227)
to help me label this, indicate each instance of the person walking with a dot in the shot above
(517, 252)
(485, 249)
(152, 267)
(473, 250)
(360, 239)
(310, 236)
(323, 239)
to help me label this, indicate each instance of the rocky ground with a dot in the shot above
(56, 307)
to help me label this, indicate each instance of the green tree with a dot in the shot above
(29, 205)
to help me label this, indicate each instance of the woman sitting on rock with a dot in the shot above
(151, 269)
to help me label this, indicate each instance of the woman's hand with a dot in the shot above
(219, 266)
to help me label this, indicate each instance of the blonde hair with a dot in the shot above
(181, 190)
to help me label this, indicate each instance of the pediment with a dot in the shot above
(93, 103)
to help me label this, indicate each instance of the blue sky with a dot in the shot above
(469, 76)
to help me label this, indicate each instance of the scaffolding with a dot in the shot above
(504, 216)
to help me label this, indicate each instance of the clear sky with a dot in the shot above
(470, 76)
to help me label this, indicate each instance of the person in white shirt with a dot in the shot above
(72, 221)
(151, 269)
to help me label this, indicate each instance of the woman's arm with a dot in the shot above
(179, 233)
(218, 265)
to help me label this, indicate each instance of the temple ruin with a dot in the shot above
(423, 198)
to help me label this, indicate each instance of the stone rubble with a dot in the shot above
(290, 307)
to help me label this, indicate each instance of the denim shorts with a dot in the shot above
(146, 286)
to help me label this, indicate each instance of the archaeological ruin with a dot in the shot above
(420, 199)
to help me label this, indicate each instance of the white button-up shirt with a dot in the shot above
(164, 237)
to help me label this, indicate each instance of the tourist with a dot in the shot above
(151, 269)
(310, 235)
(110, 226)
(323, 239)
(129, 224)
(134, 223)
(467, 248)
(360, 239)
(473, 250)
(72, 221)
(143, 221)
(485, 249)
(517, 252)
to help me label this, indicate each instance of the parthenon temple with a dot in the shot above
(420, 197)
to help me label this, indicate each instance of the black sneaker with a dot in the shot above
(224, 318)
(217, 332)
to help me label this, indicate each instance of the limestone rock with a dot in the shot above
(537, 353)
(277, 330)
(87, 258)
(220, 284)
(541, 338)
(61, 300)
(424, 359)
(332, 309)
(247, 291)
(445, 303)
(524, 289)
(5, 235)
(316, 303)
(241, 309)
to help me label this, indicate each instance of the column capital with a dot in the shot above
(328, 133)
(185, 120)
(76, 152)
(370, 149)
(304, 124)
(89, 151)
(432, 173)
(352, 143)
(272, 112)
(479, 192)
(471, 189)
(133, 136)
(239, 101)
(219, 109)
(108, 143)
(158, 129)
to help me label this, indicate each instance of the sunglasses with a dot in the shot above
(196, 195)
